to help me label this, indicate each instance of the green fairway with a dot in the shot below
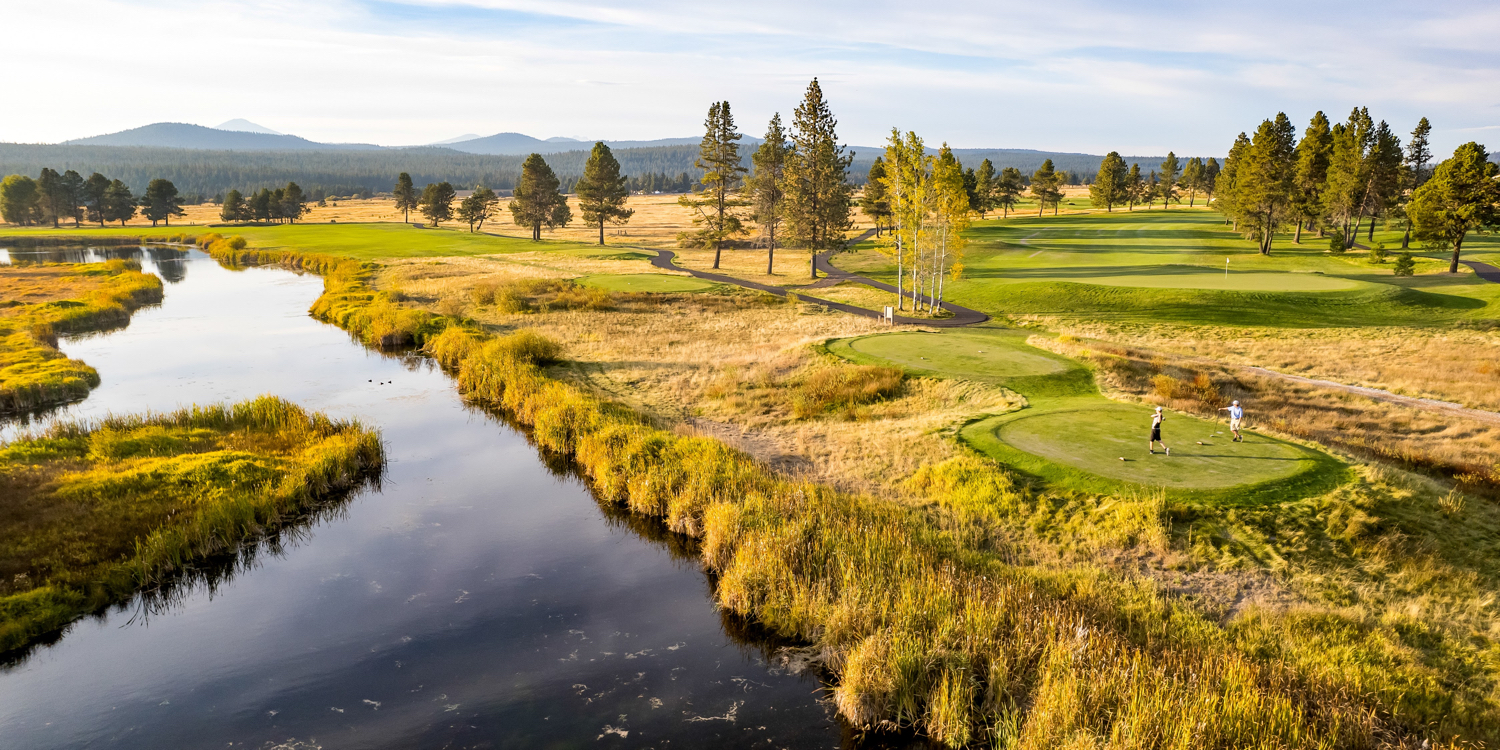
(972, 355)
(1192, 277)
(1095, 439)
(647, 282)
(1070, 436)
(1168, 267)
(361, 241)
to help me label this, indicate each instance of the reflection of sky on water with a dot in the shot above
(478, 599)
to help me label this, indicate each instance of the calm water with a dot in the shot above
(480, 598)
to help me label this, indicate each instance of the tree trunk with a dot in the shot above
(601, 230)
(1297, 240)
(1406, 238)
(900, 302)
(771, 250)
(1371, 236)
(1457, 246)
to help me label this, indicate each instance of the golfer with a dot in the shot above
(1235, 415)
(1156, 433)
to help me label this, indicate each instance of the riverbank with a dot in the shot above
(922, 614)
(97, 512)
(39, 302)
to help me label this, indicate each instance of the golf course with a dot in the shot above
(1070, 436)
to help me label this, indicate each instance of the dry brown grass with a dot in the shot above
(723, 365)
(1452, 365)
(34, 285)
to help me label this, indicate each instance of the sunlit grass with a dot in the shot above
(96, 511)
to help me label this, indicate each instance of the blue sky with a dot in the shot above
(1079, 76)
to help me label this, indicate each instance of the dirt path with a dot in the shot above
(962, 316)
(1425, 404)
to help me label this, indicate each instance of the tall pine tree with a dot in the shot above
(875, 199)
(1312, 157)
(723, 175)
(1462, 196)
(406, 196)
(1170, 173)
(538, 202)
(767, 185)
(1110, 184)
(602, 190)
(817, 189)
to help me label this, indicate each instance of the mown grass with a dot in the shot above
(1069, 268)
(95, 512)
(358, 241)
(919, 615)
(33, 373)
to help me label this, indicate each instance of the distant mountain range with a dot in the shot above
(183, 135)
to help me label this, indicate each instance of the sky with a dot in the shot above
(1085, 76)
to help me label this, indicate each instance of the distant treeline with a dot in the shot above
(202, 175)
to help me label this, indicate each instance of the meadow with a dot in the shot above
(39, 302)
(96, 512)
(984, 594)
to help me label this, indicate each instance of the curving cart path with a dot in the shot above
(962, 316)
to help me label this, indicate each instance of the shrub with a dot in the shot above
(844, 386)
(1378, 253)
(1405, 266)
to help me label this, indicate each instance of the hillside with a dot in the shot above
(186, 136)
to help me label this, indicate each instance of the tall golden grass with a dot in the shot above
(33, 373)
(96, 512)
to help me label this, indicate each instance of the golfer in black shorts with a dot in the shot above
(1156, 433)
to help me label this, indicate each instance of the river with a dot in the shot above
(480, 597)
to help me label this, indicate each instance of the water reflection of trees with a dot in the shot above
(756, 644)
(211, 574)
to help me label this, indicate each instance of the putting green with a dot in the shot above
(1094, 439)
(646, 282)
(1191, 277)
(961, 354)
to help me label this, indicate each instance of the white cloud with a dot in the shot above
(1092, 76)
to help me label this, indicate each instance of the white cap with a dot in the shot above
(1236, 403)
(1158, 408)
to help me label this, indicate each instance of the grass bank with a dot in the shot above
(39, 302)
(96, 512)
(918, 613)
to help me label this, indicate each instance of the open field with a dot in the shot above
(94, 513)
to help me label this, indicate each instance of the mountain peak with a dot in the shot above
(245, 126)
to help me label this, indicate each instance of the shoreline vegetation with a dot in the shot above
(34, 374)
(922, 614)
(98, 512)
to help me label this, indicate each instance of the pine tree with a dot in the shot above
(1170, 173)
(437, 202)
(293, 203)
(875, 200)
(537, 200)
(1344, 194)
(406, 196)
(1110, 184)
(1461, 196)
(985, 184)
(1044, 184)
(818, 194)
(49, 195)
(602, 190)
(1008, 189)
(1312, 157)
(1384, 178)
(767, 185)
(1226, 195)
(120, 203)
(719, 158)
(1265, 180)
(1134, 186)
(1192, 179)
(233, 208)
(478, 207)
(161, 202)
(1418, 154)
(1210, 178)
(94, 191)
